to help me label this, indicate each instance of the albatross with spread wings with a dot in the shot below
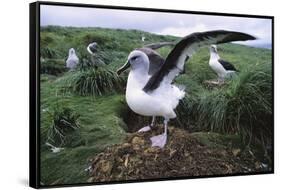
(155, 95)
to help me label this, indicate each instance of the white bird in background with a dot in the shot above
(95, 58)
(143, 38)
(92, 48)
(222, 68)
(72, 60)
(156, 95)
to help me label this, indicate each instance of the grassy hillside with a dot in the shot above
(100, 126)
(241, 107)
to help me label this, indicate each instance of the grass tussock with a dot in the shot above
(92, 81)
(241, 106)
(64, 130)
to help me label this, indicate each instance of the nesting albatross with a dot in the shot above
(221, 67)
(72, 60)
(96, 58)
(156, 95)
(92, 48)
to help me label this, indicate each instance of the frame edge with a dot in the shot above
(33, 90)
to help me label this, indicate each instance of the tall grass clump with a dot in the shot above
(95, 81)
(65, 128)
(242, 106)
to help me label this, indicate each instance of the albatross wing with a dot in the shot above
(226, 65)
(174, 63)
(159, 45)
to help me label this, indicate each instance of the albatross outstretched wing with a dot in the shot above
(174, 63)
(159, 45)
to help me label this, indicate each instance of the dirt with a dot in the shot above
(183, 156)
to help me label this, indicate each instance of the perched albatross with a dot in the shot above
(96, 59)
(221, 67)
(72, 60)
(155, 63)
(156, 95)
(92, 48)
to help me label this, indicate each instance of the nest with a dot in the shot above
(183, 156)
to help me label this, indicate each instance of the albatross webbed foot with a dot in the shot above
(148, 128)
(159, 140)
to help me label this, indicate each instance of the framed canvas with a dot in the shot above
(122, 94)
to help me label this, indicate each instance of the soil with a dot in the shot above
(183, 156)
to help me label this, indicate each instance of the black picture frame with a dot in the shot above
(34, 83)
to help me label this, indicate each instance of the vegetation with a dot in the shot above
(92, 81)
(65, 128)
(100, 126)
(52, 66)
(241, 108)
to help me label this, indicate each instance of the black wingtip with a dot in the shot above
(247, 36)
(237, 36)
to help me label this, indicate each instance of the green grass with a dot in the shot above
(241, 109)
(65, 129)
(113, 43)
(242, 106)
(100, 126)
(100, 116)
(52, 66)
(92, 81)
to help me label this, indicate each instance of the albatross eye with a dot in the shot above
(134, 58)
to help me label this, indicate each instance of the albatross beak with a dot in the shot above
(123, 68)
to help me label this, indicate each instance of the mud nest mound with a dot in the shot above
(182, 156)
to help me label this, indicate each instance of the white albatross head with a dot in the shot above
(92, 48)
(138, 61)
(213, 48)
(71, 51)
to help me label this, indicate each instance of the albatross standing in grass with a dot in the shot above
(155, 63)
(222, 68)
(92, 48)
(156, 95)
(72, 60)
(96, 58)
